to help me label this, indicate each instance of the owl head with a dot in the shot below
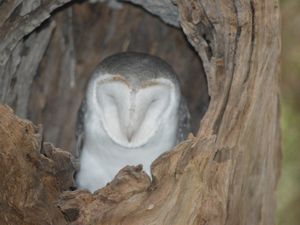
(133, 96)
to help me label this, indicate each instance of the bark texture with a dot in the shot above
(226, 174)
(20, 52)
(33, 173)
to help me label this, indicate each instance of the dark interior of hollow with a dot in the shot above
(87, 33)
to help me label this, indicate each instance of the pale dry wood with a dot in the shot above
(19, 56)
(33, 174)
(228, 173)
(165, 9)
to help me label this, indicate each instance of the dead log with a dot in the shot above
(226, 174)
(33, 173)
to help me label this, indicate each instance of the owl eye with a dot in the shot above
(113, 101)
(152, 105)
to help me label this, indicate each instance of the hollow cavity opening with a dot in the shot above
(85, 34)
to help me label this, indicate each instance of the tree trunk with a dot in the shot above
(225, 174)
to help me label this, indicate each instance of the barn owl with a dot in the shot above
(133, 112)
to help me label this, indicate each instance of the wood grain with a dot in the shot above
(227, 174)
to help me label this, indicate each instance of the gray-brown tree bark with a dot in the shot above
(226, 174)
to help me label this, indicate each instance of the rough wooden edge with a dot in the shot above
(231, 168)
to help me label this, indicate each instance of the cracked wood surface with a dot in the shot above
(19, 56)
(228, 173)
(33, 173)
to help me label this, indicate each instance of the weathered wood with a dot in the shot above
(228, 173)
(165, 9)
(19, 56)
(33, 174)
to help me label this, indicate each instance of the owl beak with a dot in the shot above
(129, 134)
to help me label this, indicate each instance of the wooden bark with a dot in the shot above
(226, 174)
(33, 174)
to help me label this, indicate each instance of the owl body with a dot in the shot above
(131, 115)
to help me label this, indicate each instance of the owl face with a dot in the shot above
(131, 113)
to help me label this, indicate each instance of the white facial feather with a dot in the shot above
(126, 125)
(113, 101)
(132, 116)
